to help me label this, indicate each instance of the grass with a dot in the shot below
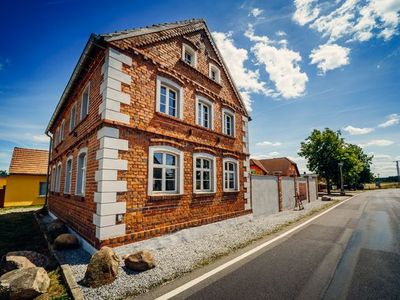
(10, 208)
(20, 231)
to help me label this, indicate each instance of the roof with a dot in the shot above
(258, 164)
(29, 161)
(146, 35)
(281, 165)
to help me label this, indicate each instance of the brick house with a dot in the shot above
(149, 137)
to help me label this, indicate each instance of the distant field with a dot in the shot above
(384, 185)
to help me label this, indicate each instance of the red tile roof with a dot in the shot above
(29, 161)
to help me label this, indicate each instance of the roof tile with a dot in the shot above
(29, 161)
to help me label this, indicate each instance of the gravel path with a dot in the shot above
(9, 210)
(182, 251)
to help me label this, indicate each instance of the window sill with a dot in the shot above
(203, 194)
(165, 196)
(42, 196)
(231, 192)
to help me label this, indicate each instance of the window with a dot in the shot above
(72, 118)
(53, 179)
(165, 170)
(81, 172)
(231, 175)
(204, 112)
(42, 189)
(189, 55)
(62, 131)
(203, 173)
(68, 176)
(85, 103)
(228, 122)
(58, 177)
(214, 73)
(169, 97)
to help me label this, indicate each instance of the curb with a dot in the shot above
(69, 279)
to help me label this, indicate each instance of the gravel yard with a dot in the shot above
(182, 251)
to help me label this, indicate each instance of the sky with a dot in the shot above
(299, 65)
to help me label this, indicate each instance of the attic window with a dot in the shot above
(214, 73)
(189, 55)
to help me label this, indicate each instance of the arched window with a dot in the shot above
(81, 172)
(203, 173)
(58, 177)
(68, 175)
(165, 170)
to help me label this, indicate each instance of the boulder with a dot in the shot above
(37, 259)
(326, 198)
(26, 283)
(66, 241)
(102, 268)
(11, 262)
(55, 228)
(140, 261)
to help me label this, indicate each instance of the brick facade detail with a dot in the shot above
(124, 123)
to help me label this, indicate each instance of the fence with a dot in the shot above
(271, 194)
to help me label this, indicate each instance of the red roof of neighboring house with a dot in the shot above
(257, 163)
(281, 165)
(29, 161)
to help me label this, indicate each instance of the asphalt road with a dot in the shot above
(352, 252)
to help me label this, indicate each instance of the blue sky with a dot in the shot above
(300, 65)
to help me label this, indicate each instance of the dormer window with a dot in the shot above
(214, 73)
(189, 55)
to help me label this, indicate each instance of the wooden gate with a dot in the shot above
(2, 196)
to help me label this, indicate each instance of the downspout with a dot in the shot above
(48, 171)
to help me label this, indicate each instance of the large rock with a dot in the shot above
(37, 259)
(11, 262)
(140, 261)
(55, 228)
(102, 268)
(26, 283)
(66, 241)
(326, 198)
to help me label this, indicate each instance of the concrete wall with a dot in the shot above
(288, 193)
(313, 189)
(264, 195)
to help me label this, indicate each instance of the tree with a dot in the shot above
(323, 151)
(3, 173)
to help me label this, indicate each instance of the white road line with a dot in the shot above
(203, 277)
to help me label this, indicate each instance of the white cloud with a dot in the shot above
(392, 120)
(282, 65)
(357, 131)
(382, 157)
(329, 57)
(353, 19)
(248, 81)
(379, 143)
(40, 138)
(280, 33)
(268, 143)
(273, 153)
(306, 11)
(255, 12)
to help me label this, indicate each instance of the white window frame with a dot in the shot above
(191, 51)
(180, 169)
(83, 150)
(87, 88)
(70, 158)
(73, 109)
(229, 112)
(213, 179)
(235, 161)
(62, 129)
(53, 178)
(210, 104)
(56, 137)
(180, 96)
(58, 177)
(212, 67)
(45, 184)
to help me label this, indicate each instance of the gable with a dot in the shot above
(163, 44)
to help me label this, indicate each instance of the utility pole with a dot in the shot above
(341, 179)
(398, 170)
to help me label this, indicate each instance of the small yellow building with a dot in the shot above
(26, 182)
